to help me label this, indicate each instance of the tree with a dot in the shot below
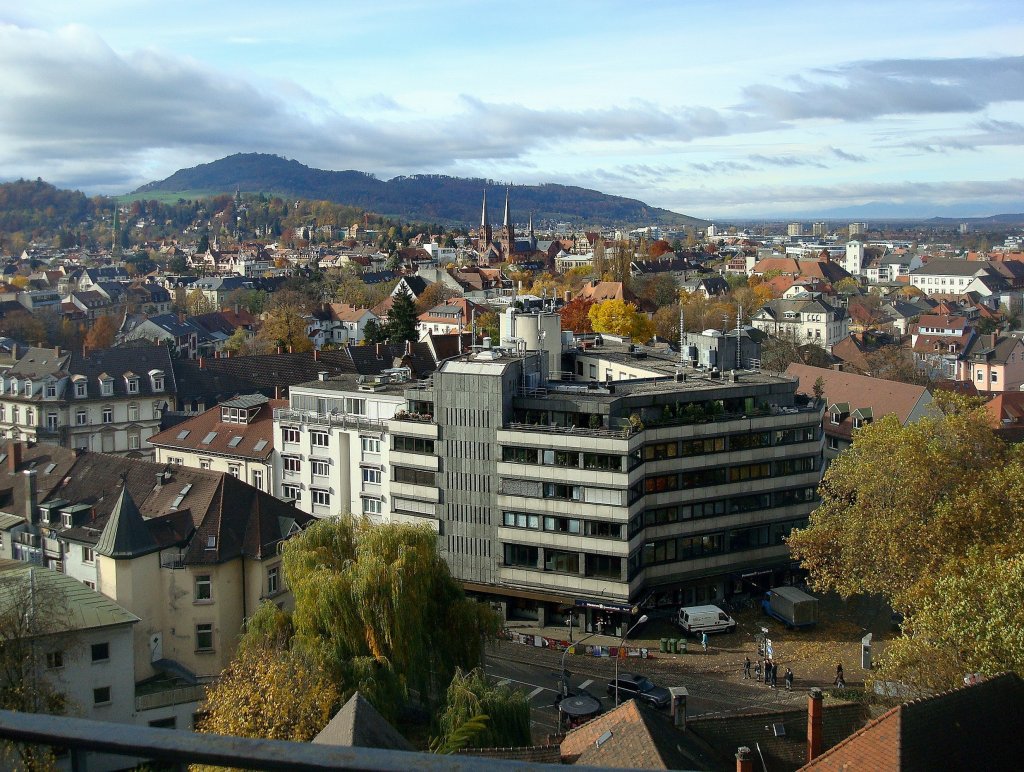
(402, 319)
(914, 513)
(377, 606)
(778, 353)
(101, 334)
(238, 342)
(666, 322)
(375, 332)
(285, 327)
(488, 325)
(618, 317)
(847, 286)
(507, 710)
(434, 294)
(575, 315)
(196, 303)
(35, 620)
(270, 690)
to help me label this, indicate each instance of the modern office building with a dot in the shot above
(599, 476)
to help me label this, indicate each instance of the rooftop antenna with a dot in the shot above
(682, 336)
(739, 339)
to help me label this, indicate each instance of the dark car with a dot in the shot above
(640, 687)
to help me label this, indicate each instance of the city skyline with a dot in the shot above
(731, 111)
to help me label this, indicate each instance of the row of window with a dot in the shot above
(703, 446)
(411, 444)
(80, 386)
(700, 478)
(563, 524)
(732, 505)
(52, 418)
(562, 561)
(689, 547)
(565, 458)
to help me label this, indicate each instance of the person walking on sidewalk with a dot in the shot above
(840, 681)
(704, 641)
(789, 679)
(746, 667)
(757, 671)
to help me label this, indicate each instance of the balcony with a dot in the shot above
(339, 420)
(176, 749)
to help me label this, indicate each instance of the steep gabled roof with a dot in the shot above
(358, 725)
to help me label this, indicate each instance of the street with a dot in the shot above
(536, 673)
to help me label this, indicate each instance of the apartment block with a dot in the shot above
(596, 479)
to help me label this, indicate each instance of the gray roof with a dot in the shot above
(951, 268)
(246, 401)
(125, 535)
(358, 724)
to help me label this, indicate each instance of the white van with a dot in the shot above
(705, 619)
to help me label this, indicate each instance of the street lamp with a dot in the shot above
(565, 681)
(638, 622)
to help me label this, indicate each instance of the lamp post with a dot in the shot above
(636, 624)
(565, 681)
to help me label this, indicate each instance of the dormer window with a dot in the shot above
(81, 388)
(156, 379)
(51, 390)
(27, 389)
(67, 519)
(132, 382)
(837, 418)
(106, 386)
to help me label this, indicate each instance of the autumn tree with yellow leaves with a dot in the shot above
(931, 517)
(617, 317)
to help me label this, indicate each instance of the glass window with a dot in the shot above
(371, 506)
(290, 434)
(291, 463)
(101, 695)
(520, 555)
(320, 468)
(133, 411)
(521, 520)
(273, 580)
(562, 524)
(290, 492)
(54, 660)
(561, 561)
(320, 497)
(319, 439)
(369, 444)
(108, 415)
(88, 556)
(371, 476)
(257, 478)
(204, 637)
(100, 652)
(204, 587)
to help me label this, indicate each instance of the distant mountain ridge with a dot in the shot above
(431, 198)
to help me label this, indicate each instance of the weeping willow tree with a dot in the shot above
(377, 606)
(470, 696)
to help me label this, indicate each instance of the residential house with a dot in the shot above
(452, 316)
(110, 400)
(993, 363)
(804, 319)
(339, 324)
(171, 330)
(938, 342)
(236, 437)
(855, 400)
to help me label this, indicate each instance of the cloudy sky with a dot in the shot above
(716, 109)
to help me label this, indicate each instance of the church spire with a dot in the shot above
(485, 226)
(507, 222)
(508, 231)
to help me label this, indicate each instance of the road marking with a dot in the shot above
(504, 682)
(586, 683)
(535, 692)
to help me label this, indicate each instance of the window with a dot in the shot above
(604, 530)
(320, 496)
(319, 439)
(370, 444)
(520, 555)
(100, 652)
(371, 476)
(520, 520)
(355, 406)
(320, 468)
(404, 474)
(133, 385)
(273, 580)
(133, 411)
(204, 463)
(559, 491)
(257, 479)
(80, 388)
(51, 390)
(101, 695)
(981, 375)
(290, 492)
(158, 382)
(108, 415)
(291, 464)
(88, 556)
(371, 506)
(54, 660)
(995, 377)
(106, 387)
(51, 421)
(562, 524)
(134, 442)
(14, 410)
(234, 470)
(204, 637)
(204, 587)
(290, 434)
(604, 566)
(563, 562)
(417, 445)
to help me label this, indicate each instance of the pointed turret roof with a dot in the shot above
(507, 222)
(531, 224)
(125, 535)
(484, 218)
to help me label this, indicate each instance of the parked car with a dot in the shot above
(639, 687)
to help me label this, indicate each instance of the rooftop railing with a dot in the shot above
(342, 420)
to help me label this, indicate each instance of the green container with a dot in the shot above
(664, 645)
(671, 645)
(681, 646)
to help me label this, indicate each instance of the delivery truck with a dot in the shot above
(792, 607)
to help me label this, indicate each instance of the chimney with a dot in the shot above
(14, 453)
(56, 351)
(744, 761)
(377, 350)
(202, 363)
(290, 351)
(322, 375)
(814, 724)
(31, 495)
(995, 337)
(280, 350)
(316, 355)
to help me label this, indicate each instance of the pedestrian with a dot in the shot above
(768, 673)
(746, 667)
(840, 681)
(704, 641)
(775, 674)
(757, 671)
(789, 679)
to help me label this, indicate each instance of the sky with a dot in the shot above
(720, 110)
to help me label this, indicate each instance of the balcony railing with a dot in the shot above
(180, 748)
(342, 420)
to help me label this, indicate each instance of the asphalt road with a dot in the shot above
(536, 673)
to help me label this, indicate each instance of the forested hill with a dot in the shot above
(33, 205)
(433, 198)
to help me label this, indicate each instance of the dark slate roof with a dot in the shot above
(170, 323)
(373, 360)
(39, 362)
(358, 724)
(416, 284)
(117, 362)
(125, 535)
(378, 277)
